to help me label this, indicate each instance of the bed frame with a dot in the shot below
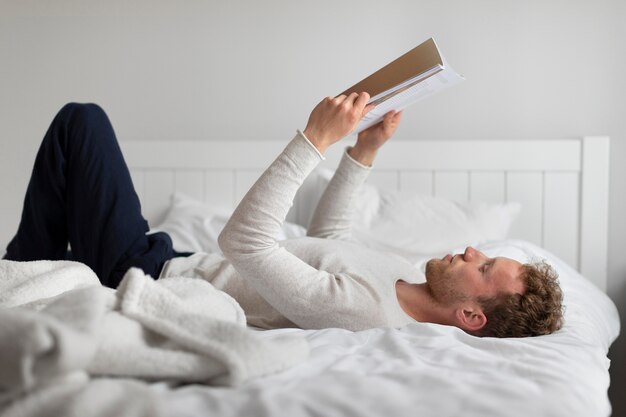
(562, 184)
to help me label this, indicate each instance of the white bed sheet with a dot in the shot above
(432, 370)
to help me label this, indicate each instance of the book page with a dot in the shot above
(413, 92)
(379, 98)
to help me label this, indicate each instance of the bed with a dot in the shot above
(541, 198)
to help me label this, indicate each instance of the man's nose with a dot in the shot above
(471, 254)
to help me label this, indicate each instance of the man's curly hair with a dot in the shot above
(537, 312)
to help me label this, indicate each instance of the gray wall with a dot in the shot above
(245, 70)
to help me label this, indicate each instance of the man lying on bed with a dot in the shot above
(81, 192)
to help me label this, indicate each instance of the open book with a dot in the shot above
(419, 73)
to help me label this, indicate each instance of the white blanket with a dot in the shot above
(59, 328)
(420, 370)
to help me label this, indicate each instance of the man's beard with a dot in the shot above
(442, 284)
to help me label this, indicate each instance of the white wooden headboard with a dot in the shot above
(562, 184)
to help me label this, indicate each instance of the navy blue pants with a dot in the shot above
(81, 192)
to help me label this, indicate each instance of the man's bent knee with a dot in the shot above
(81, 111)
(81, 120)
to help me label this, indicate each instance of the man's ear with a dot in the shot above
(471, 318)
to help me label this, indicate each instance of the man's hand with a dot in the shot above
(334, 118)
(372, 138)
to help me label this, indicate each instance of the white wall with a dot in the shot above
(233, 69)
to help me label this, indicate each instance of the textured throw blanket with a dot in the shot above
(69, 346)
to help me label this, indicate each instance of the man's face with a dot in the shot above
(470, 275)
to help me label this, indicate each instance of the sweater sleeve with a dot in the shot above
(308, 297)
(332, 218)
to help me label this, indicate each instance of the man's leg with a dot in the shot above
(81, 191)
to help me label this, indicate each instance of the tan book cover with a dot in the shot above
(413, 76)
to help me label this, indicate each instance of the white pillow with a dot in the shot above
(415, 225)
(422, 224)
(194, 226)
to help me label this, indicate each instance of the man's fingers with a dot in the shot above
(361, 100)
(350, 100)
(390, 115)
(367, 109)
(340, 99)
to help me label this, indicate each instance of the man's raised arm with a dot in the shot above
(332, 218)
(300, 292)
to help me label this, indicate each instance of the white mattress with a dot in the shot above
(433, 370)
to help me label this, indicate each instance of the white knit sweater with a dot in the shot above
(322, 280)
